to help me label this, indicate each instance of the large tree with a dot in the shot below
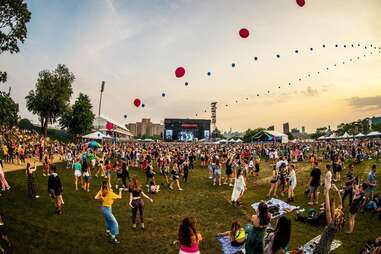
(79, 118)
(8, 111)
(51, 97)
(14, 15)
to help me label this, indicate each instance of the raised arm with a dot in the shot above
(144, 195)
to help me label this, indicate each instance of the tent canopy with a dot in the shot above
(266, 135)
(374, 134)
(360, 135)
(96, 136)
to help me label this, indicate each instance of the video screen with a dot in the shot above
(186, 136)
(168, 134)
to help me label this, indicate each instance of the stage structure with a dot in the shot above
(186, 129)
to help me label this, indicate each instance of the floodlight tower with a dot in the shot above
(213, 110)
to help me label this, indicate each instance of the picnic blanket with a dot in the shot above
(283, 206)
(227, 248)
(309, 247)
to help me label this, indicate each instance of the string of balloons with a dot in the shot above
(244, 33)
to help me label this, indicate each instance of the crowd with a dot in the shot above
(171, 163)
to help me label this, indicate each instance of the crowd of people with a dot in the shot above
(168, 165)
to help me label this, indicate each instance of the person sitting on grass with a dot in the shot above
(278, 240)
(55, 189)
(153, 187)
(107, 196)
(334, 220)
(236, 234)
(188, 237)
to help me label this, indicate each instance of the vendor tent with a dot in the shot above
(96, 136)
(360, 135)
(239, 141)
(272, 136)
(374, 134)
(346, 135)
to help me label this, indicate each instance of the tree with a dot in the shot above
(249, 134)
(322, 131)
(51, 97)
(8, 110)
(14, 15)
(217, 134)
(79, 118)
(25, 124)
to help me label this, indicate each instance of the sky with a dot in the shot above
(135, 47)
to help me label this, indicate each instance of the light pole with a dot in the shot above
(100, 99)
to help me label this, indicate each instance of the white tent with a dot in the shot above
(96, 136)
(148, 140)
(346, 135)
(231, 140)
(360, 135)
(239, 140)
(223, 141)
(322, 138)
(332, 136)
(374, 134)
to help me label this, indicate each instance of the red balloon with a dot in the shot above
(244, 33)
(301, 3)
(109, 126)
(180, 71)
(137, 102)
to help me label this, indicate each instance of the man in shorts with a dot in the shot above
(314, 184)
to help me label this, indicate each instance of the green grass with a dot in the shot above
(33, 227)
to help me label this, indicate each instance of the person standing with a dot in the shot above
(358, 202)
(77, 172)
(136, 202)
(349, 183)
(291, 183)
(55, 189)
(3, 182)
(32, 189)
(372, 183)
(314, 184)
(238, 189)
(107, 196)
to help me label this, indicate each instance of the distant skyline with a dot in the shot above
(135, 47)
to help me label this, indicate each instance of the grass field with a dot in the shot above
(33, 227)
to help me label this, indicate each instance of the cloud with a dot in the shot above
(310, 92)
(365, 103)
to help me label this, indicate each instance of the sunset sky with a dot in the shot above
(135, 47)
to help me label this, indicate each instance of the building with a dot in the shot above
(146, 128)
(271, 128)
(117, 129)
(186, 129)
(286, 128)
(303, 129)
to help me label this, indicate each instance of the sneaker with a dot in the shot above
(134, 226)
(311, 203)
(142, 226)
(180, 189)
(37, 196)
(108, 233)
(114, 240)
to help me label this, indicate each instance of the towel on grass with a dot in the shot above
(283, 206)
(226, 246)
(309, 247)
